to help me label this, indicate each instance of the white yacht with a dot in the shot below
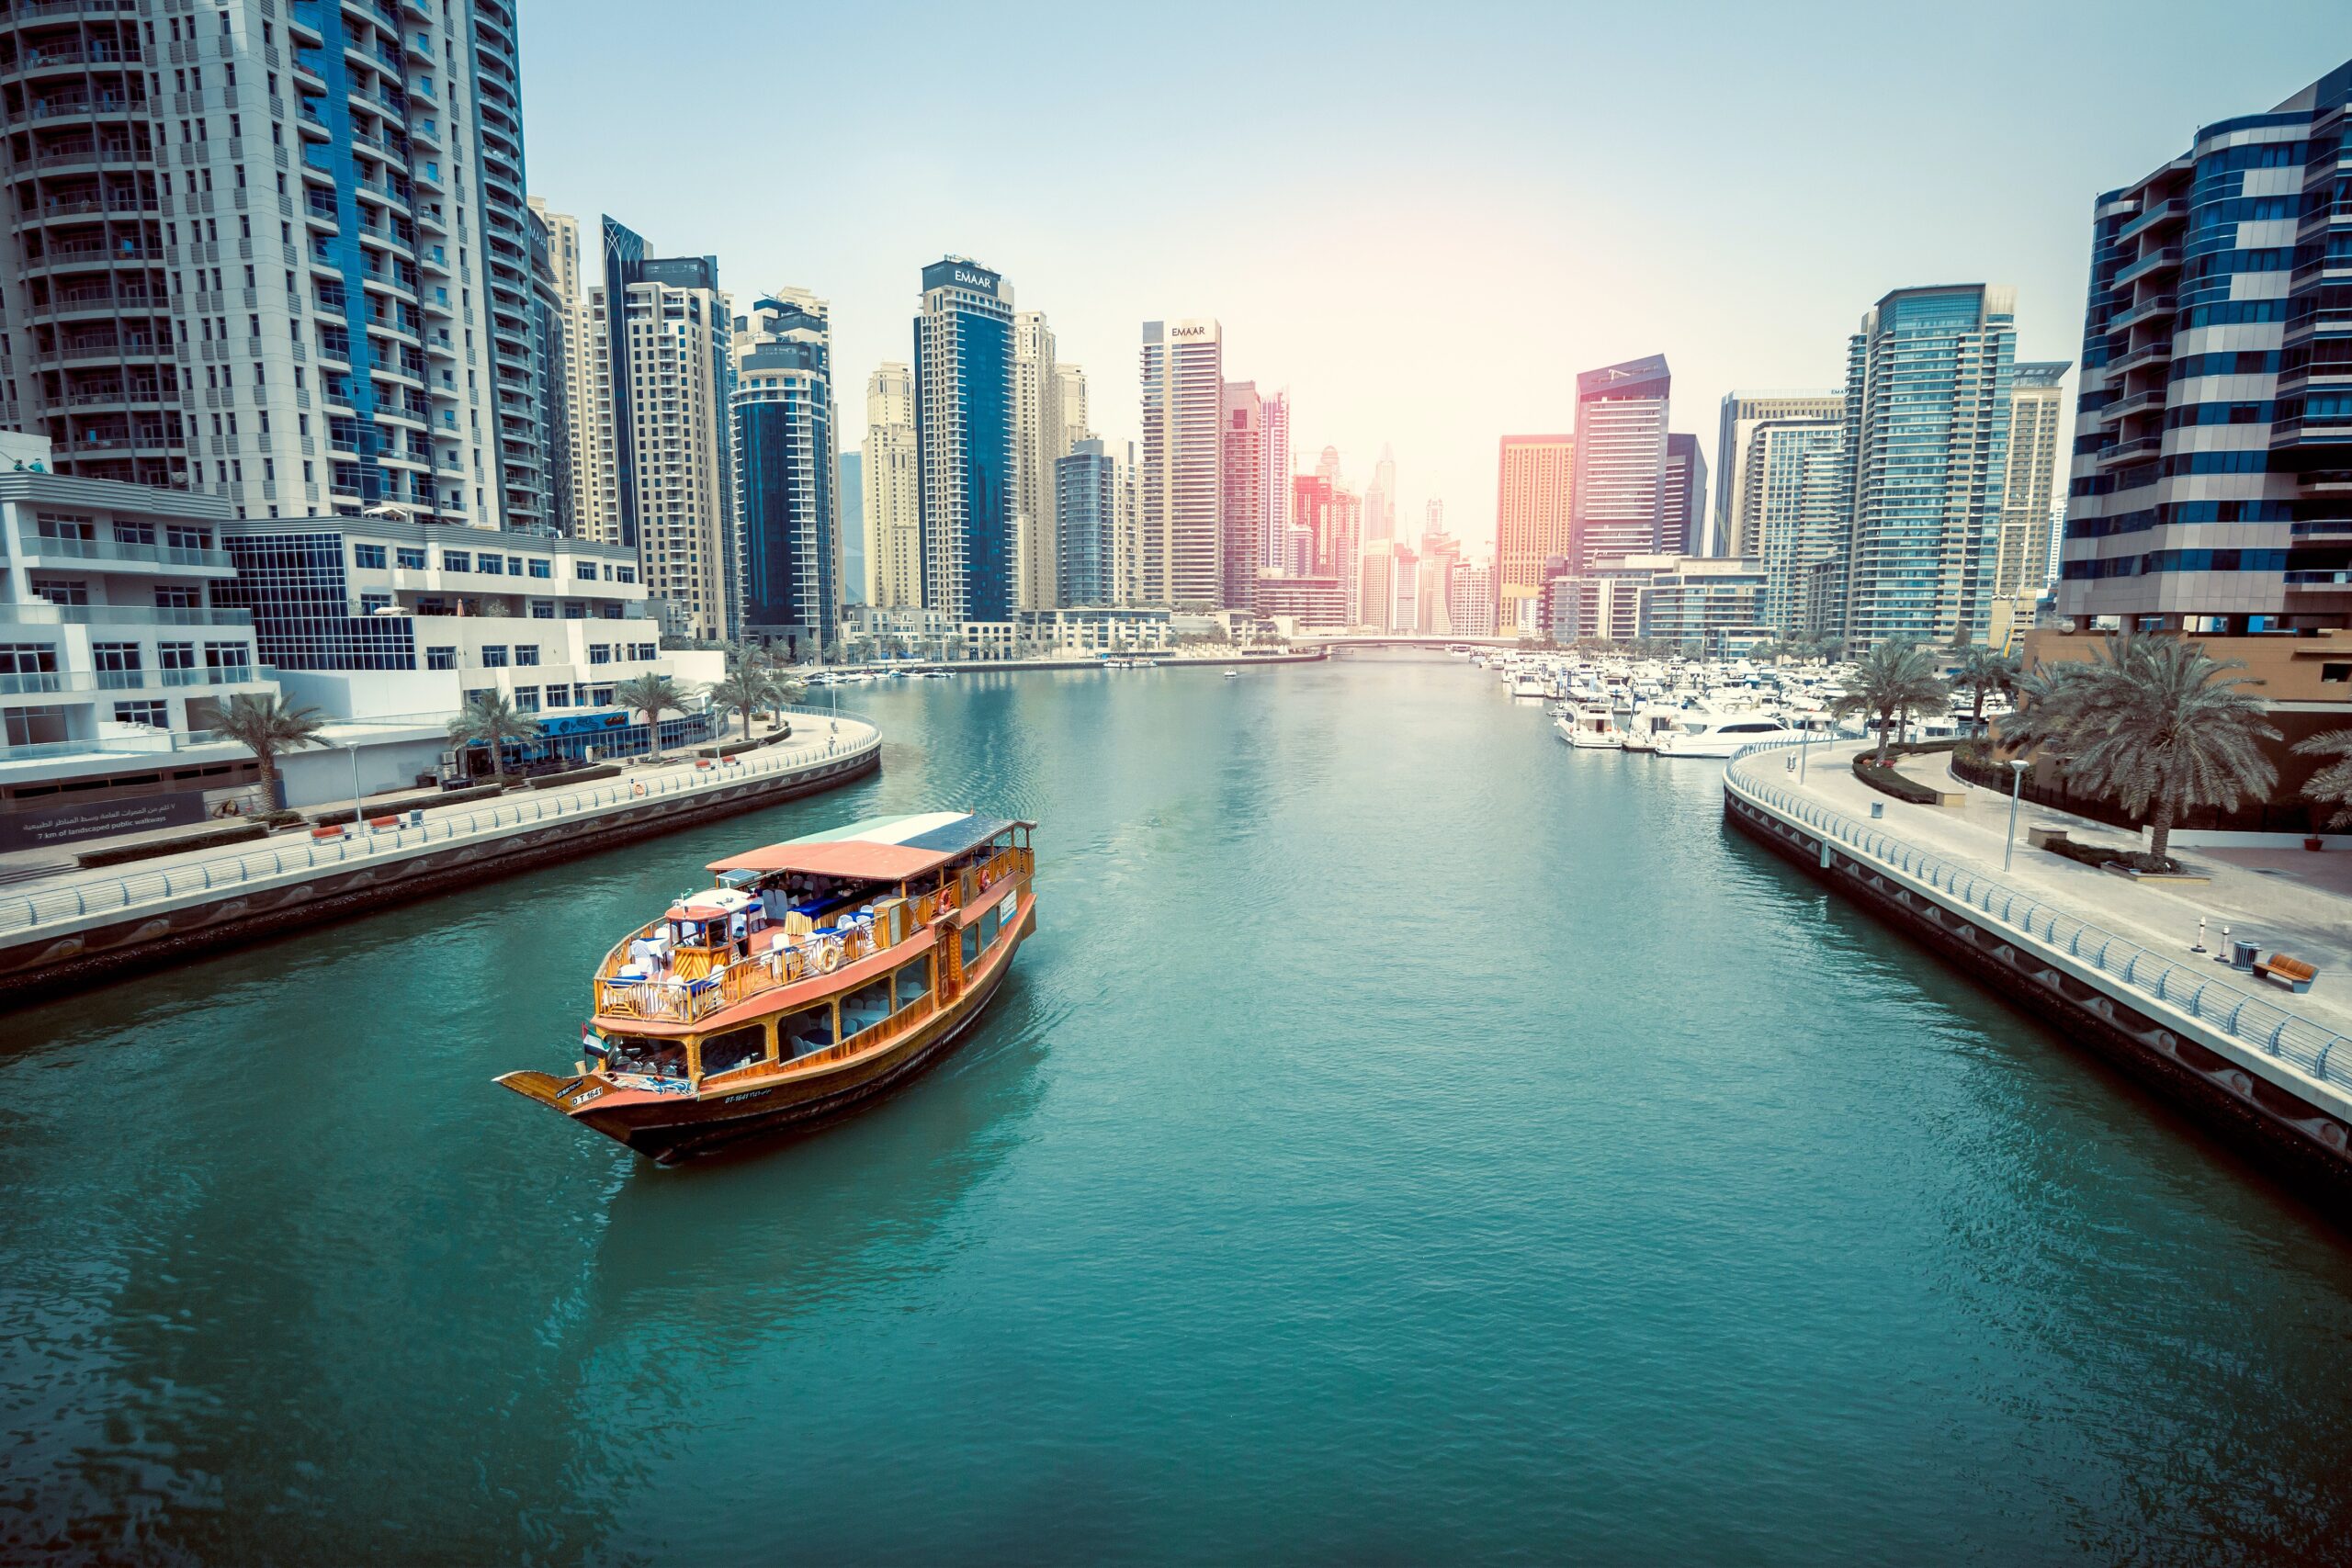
(1651, 722)
(1529, 684)
(1722, 734)
(1591, 729)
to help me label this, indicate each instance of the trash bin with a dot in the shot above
(2244, 953)
(416, 819)
(1878, 810)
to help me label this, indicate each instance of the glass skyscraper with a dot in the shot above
(1926, 453)
(1086, 502)
(1620, 479)
(964, 436)
(786, 460)
(2213, 442)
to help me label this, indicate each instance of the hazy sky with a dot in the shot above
(1424, 219)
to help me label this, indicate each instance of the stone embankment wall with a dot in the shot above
(2276, 1083)
(60, 935)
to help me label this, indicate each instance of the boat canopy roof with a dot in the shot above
(880, 849)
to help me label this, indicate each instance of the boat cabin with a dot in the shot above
(818, 945)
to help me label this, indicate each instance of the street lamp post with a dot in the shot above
(2017, 766)
(1804, 750)
(352, 747)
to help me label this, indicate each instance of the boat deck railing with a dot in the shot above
(2319, 1053)
(679, 996)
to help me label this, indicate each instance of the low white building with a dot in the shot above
(876, 634)
(117, 649)
(392, 626)
(1085, 631)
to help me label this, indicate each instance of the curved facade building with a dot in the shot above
(2212, 488)
(92, 356)
(278, 253)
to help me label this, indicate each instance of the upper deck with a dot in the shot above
(796, 921)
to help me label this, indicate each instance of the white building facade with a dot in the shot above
(1182, 476)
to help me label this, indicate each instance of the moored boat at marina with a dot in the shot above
(1722, 734)
(818, 973)
(1591, 729)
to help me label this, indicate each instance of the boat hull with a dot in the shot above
(670, 1128)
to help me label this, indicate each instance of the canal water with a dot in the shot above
(1404, 1139)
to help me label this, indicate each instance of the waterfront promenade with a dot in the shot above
(2110, 958)
(2287, 900)
(78, 920)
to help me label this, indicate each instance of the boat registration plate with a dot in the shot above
(583, 1097)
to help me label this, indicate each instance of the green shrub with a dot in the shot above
(576, 776)
(226, 833)
(1886, 780)
(407, 801)
(2110, 854)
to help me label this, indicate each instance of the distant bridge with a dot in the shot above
(1317, 639)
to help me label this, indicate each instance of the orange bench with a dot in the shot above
(2291, 973)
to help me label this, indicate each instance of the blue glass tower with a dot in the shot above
(964, 439)
(1086, 505)
(786, 460)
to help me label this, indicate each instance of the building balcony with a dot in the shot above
(47, 614)
(2146, 355)
(234, 676)
(2155, 308)
(216, 563)
(2150, 401)
(2141, 450)
(2163, 259)
(2162, 215)
(44, 684)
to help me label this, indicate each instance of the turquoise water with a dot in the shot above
(1405, 1139)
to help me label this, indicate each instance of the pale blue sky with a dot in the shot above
(1424, 219)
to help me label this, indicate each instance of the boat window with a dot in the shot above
(914, 982)
(866, 1005)
(736, 1048)
(987, 923)
(655, 1057)
(971, 946)
(811, 1028)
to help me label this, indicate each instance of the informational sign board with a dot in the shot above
(84, 819)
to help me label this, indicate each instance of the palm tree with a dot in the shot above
(2332, 785)
(1894, 677)
(1983, 673)
(2147, 722)
(267, 726)
(490, 719)
(651, 696)
(745, 690)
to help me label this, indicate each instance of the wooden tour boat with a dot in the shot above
(818, 973)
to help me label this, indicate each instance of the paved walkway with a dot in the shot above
(69, 895)
(2295, 901)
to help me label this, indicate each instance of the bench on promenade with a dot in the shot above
(2291, 973)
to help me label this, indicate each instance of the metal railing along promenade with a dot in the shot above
(106, 895)
(2193, 988)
